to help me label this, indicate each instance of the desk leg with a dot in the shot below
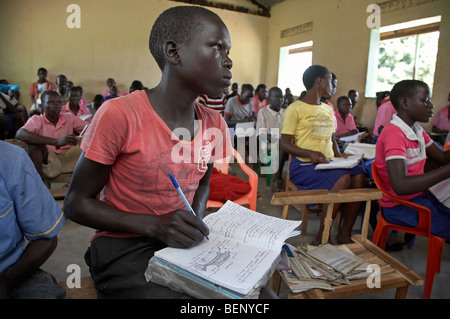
(401, 292)
(327, 224)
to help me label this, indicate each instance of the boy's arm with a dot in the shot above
(33, 138)
(437, 154)
(34, 255)
(177, 229)
(202, 193)
(402, 184)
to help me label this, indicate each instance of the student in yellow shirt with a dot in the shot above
(308, 134)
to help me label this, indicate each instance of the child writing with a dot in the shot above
(308, 134)
(134, 143)
(402, 150)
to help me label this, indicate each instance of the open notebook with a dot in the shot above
(242, 248)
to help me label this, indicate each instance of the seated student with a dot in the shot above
(384, 116)
(268, 127)
(109, 83)
(129, 153)
(82, 100)
(239, 107)
(401, 152)
(345, 122)
(114, 92)
(13, 115)
(74, 106)
(234, 90)
(41, 85)
(61, 88)
(28, 211)
(52, 144)
(259, 101)
(215, 103)
(135, 85)
(95, 104)
(441, 121)
(308, 134)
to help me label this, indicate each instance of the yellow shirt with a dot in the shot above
(312, 127)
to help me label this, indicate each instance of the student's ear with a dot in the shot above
(171, 51)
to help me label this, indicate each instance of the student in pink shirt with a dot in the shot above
(53, 146)
(259, 101)
(74, 106)
(384, 116)
(441, 121)
(401, 152)
(135, 141)
(345, 122)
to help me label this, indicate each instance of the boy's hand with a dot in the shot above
(181, 229)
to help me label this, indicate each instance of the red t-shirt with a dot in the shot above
(128, 134)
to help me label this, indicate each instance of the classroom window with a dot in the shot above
(294, 60)
(402, 51)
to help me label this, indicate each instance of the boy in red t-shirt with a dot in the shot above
(401, 153)
(135, 141)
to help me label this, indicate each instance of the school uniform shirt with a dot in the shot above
(128, 134)
(441, 120)
(37, 88)
(67, 124)
(312, 127)
(83, 110)
(215, 103)
(258, 105)
(237, 110)
(27, 209)
(400, 141)
(344, 127)
(268, 119)
(384, 115)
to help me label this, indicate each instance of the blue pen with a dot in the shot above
(185, 201)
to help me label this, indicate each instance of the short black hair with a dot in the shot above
(176, 24)
(312, 73)
(261, 87)
(341, 99)
(47, 93)
(42, 69)
(404, 89)
(247, 87)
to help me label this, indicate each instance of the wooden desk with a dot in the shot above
(393, 273)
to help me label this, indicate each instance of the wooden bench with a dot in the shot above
(86, 291)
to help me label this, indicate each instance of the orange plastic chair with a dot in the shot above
(249, 198)
(435, 243)
(447, 146)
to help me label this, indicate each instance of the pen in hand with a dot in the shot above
(185, 201)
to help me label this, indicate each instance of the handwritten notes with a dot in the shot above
(241, 249)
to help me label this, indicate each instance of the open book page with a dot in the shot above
(341, 162)
(223, 261)
(442, 191)
(342, 261)
(351, 138)
(238, 222)
(242, 256)
(364, 149)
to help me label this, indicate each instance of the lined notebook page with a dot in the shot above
(234, 263)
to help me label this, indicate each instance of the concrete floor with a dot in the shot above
(74, 239)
